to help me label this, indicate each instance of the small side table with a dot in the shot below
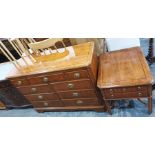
(125, 74)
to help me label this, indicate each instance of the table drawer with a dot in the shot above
(42, 97)
(80, 102)
(126, 89)
(75, 75)
(137, 94)
(18, 82)
(52, 103)
(46, 78)
(73, 85)
(77, 94)
(35, 89)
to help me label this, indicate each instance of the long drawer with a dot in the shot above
(77, 94)
(126, 89)
(42, 97)
(73, 85)
(35, 89)
(137, 94)
(80, 102)
(49, 103)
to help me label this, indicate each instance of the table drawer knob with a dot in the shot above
(70, 85)
(76, 75)
(111, 90)
(75, 94)
(33, 89)
(45, 79)
(112, 95)
(40, 97)
(139, 94)
(46, 104)
(19, 82)
(79, 102)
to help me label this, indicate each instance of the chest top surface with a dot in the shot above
(127, 67)
(83, 57)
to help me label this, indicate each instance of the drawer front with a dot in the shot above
(44, 79)
(53, 103)
(137, 94)
(73, 85)
(77, 94)
(80, 102)
(126, 89)
(18, 82)
(75, 75)
(35, 89)
(42, 97)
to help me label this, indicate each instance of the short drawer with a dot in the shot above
(126, 89)
(52, 103)
(75, 75)
(35, 89)
(80, 102)
(18, 82)
(77, 94)
(137, 94)
(46, 78)
(42, 97)
(72, 85)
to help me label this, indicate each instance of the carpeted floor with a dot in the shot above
(139, 109)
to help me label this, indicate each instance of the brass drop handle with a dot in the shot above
(75, 94)
(70, 85)
(140, 94)
(46, 104)
(79, 102)
(45, 79)
(111, 90)
(19, 82)
(33, 89)
(40, 97)
(76, 75)
(139, 88)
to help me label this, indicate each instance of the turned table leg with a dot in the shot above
(150, 105)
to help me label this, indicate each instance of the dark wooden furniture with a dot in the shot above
(124, 74)
(11, 97)
(62, 85)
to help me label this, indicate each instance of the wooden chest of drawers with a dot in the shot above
(70, 85)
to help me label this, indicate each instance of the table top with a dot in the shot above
(82, 58)
(121, 68)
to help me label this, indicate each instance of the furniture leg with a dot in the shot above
(108, 107)
(150, 105)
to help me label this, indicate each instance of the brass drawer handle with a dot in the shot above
(40, 97)
(70, 85)
(33, 89)
(76, 75)
(79, 102)
(111, 90)
(75, 94)
(46, 104)
(19, 82)
(139, 94)
(139, 88)
(45, 79)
